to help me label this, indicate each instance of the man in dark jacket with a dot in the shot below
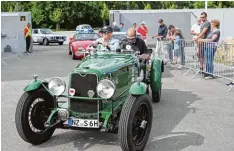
(136, 43)
(162, 30)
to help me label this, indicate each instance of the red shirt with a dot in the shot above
(142, 31)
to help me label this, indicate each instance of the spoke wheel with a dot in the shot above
(32, 111)
(141, 119)
(135, 123)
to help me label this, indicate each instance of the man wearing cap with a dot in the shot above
(162, 30)
(107, 40)
(143, 30)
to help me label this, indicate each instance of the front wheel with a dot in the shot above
(33, 109)
(60, 43)
(156, 96)
(135, 123)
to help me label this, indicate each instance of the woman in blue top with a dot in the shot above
(211, 47)
(178, 46)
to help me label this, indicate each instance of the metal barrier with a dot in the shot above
(13, 55)
(207, 58)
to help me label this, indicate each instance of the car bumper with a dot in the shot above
(56, 40)
(80, 54)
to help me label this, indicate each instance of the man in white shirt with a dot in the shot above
(195, 29)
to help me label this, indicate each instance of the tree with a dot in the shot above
(38, 13)
(147, 6)
(57, 17)
(104, 13)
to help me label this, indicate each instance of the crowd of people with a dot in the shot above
(205, 34)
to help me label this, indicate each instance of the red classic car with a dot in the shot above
(79, 42)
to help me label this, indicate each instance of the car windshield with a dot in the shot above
(46, 31)
(122, 36)
(89, 36)
(84, 27)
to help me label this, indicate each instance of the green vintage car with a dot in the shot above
(107, 92)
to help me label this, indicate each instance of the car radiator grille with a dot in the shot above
(82, 84)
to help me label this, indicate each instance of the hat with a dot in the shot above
(106, 29)
(160, 20)
(142, 23)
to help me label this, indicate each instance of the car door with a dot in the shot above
(35, 35)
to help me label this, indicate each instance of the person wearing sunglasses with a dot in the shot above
(107, 40)
(136, 43)
(205, 30)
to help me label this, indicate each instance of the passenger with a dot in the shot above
(107, 40)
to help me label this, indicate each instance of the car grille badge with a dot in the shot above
(90, 94)
(72, 91)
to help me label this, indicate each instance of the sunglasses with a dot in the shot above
(131, 38)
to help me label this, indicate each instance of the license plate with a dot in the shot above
(85, 123)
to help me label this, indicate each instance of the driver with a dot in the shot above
(107, 39)
(136, 43)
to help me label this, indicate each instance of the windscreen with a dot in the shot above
(88, 36)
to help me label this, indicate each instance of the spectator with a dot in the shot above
(162, 30)
(134, 26)
(143, 30)
(195, 29)
(115, 27)
(205, 30)
(178, 46)
(122, 27)
(171, 32)
(211, 39)
(170, 45)
(28, 37)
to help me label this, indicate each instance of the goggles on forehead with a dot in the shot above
(131, 38)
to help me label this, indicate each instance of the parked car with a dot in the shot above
(84, 28)
(45, 36)
(122, 35)
(106, 93)
(79, 42)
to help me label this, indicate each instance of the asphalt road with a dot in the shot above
(194, 114)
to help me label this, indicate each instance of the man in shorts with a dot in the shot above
(205, 30)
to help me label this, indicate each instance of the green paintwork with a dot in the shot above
(119, 68)
(33, 85)
(156, 75)
(51, 116)
(138, 88)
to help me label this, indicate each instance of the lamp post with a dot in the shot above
(206, 1)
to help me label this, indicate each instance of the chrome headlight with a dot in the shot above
(80, 48)
(105, 89)
(57, 86)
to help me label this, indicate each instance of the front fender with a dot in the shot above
(156, 74)
(33, 85)
(138, 88)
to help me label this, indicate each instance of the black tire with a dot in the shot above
(73, 56)
(156, 96)
(45, 42)
(126, 123)
(60, 43)
(23, 109)
(69, 50)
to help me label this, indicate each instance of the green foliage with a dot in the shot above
(69, 14)
(104, 13)
(147, 6)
